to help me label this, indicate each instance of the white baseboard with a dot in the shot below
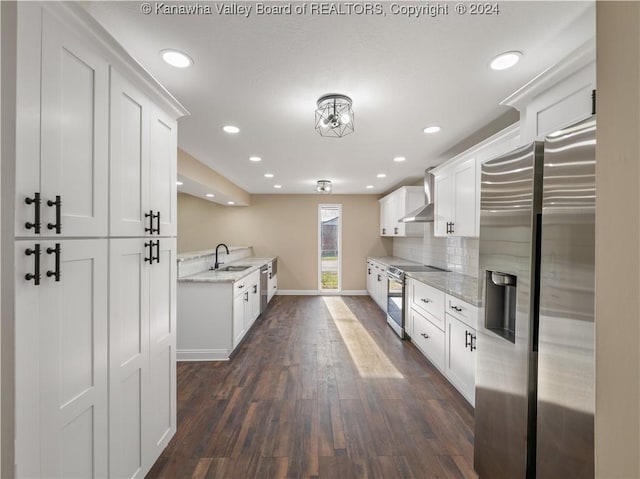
(315, 292)
(202, 355)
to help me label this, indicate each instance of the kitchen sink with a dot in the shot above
(234, 268)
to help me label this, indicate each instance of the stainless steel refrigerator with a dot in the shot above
(535, 370)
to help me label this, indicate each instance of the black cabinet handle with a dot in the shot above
(270, 275)
(35, 276)
(455, 308)
(148, 259)
(246, 296)
(58, 224)
(157, 257)
(241, 286)
(368, 270)
(425, 300)
(472, 343)
(467, 340)
(151, 216)
(384, 231)
(424, 335)
(451, 227)
(395, 231)
(379, 278)
(157, 217)
(56, 272)
(255, 288)
(35, 201)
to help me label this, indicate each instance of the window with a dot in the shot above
(329, 246)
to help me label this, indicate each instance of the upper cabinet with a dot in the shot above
(143, 164)
(560, 96)
(457, 185)
(62, 134)
(396, 206)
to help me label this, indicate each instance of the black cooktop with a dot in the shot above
(418, 268)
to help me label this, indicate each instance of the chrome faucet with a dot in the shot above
(218, 263)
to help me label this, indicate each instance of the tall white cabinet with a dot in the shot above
(95, 247)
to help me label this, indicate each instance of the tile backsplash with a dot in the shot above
(456, 254)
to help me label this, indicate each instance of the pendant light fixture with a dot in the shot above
(334, 115)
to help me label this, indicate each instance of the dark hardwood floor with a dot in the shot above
(299, 400)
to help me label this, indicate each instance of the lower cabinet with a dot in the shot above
(442, 327)
(142, 352)
(428, 338)
(61, 395)
(377, 284)
(246, 305)
(461, 357)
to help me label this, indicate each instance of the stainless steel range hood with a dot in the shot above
(424, 214)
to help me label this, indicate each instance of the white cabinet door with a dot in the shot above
(163, 152)
(443, 208)
(460, 357)
(128, 356)
(238, 317)
(129, 159)
(61, 361)
(70, 167)
(272, 286)
(251, 304)
(428, 338)
(465, 198)
(370, 279)
(385, 206)
(161, 409)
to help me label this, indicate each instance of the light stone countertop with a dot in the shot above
(206, 252)
(459, 285)
(216, 276)
(392, 260)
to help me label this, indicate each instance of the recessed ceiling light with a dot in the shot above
(432, 129)
(369, 187)
(231, 129)
(231, 202)
(381, 175)
(179, 183)
(268, 175)
(255, 158)
(399, 159)
(209, 195)
(505, 60)
(176, 58)
(277, 186)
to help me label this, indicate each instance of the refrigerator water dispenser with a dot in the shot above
(500, 304)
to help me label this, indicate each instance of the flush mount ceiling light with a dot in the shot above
(255, 158)
(369, 187)
(176, 58)
(268, 175)
(209, 195)
(323, 186)
(432, 129)
(334, 116)
(179, 183)
(381, 175)
(231, 129)
(231, 202)
(505, 60)
(399, 159)
(277, 187)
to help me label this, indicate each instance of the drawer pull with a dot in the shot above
(424, 335)
(455, 308)
(425, 300)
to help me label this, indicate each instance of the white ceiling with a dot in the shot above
(265, 73)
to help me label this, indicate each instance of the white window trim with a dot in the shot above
(319, 251)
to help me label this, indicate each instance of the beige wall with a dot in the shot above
(618, 241)
(286, 226)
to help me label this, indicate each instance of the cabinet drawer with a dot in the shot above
(428, 338)
(239, 286)
(461, 310)
(428, 299)
(253, 278)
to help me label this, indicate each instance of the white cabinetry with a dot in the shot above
(61, 359)
(62, 131)
(461, 345)
(377, 283)
(272, 282)
(246, 305)
(143, 164)
(141, 352)
(95, 322)
(455, 200)
(397, 205)
(561, 96)
(457, 185)
(443, 328)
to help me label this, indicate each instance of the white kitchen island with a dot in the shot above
(216, 308)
